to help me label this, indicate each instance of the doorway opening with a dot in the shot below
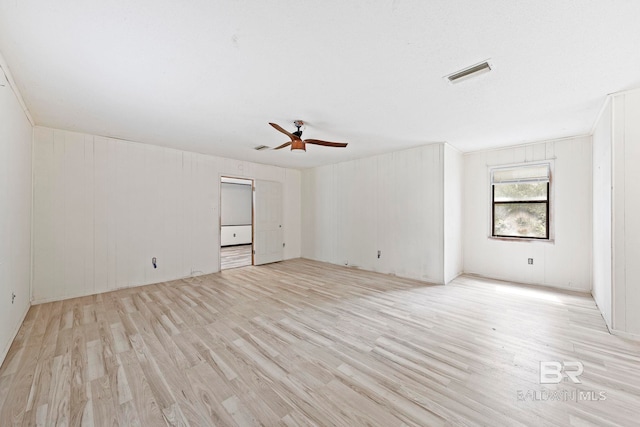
(236, 222)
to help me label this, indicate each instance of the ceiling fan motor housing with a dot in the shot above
(297, 143)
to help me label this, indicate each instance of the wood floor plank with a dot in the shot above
(146, 407)
(311, 344)
(104, 409)
(59, 392)
(209, 398)
(79, 376)
(235, 256)
(16, 404)
(39, 394)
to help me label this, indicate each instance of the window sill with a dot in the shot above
(521, 239)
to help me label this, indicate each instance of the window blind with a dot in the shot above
(533, 173)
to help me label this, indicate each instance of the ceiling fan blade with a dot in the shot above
(280, 129)
(286, 144)
(325, 143)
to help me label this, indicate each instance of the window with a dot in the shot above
(520, 201)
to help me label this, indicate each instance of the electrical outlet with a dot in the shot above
(530, 261)
(379, 253)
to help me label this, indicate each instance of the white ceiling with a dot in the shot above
(207, 76)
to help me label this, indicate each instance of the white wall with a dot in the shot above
(236, 202)
(602, 239)
(103, 208)
(392, 203)
(453, 173)
(565, 263)
(15, 213)
(626, 212)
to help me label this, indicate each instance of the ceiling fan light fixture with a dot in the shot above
(298, 145)
(469, 72)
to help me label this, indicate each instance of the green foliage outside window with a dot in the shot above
(513, 218)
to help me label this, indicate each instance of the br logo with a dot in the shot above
(554, 372)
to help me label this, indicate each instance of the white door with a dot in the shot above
(268, 240)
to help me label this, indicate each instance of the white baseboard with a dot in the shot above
(538, 285)
(104, 291)
(5, 351)
(623, 334)
(386, 273)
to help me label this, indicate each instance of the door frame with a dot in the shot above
(253, 215)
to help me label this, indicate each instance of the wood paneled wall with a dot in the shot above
(564, 263)
(602, 238)
(626, 213)
(453, 210)
(15, 213)
(392, 203)
(104, 207)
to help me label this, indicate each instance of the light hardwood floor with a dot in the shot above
(306, 343)
(235, 256)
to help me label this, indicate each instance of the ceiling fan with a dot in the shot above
(297, 143)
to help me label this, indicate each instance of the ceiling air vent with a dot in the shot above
(467, 73)
(260, 147)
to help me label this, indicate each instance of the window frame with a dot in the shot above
(550, 235)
